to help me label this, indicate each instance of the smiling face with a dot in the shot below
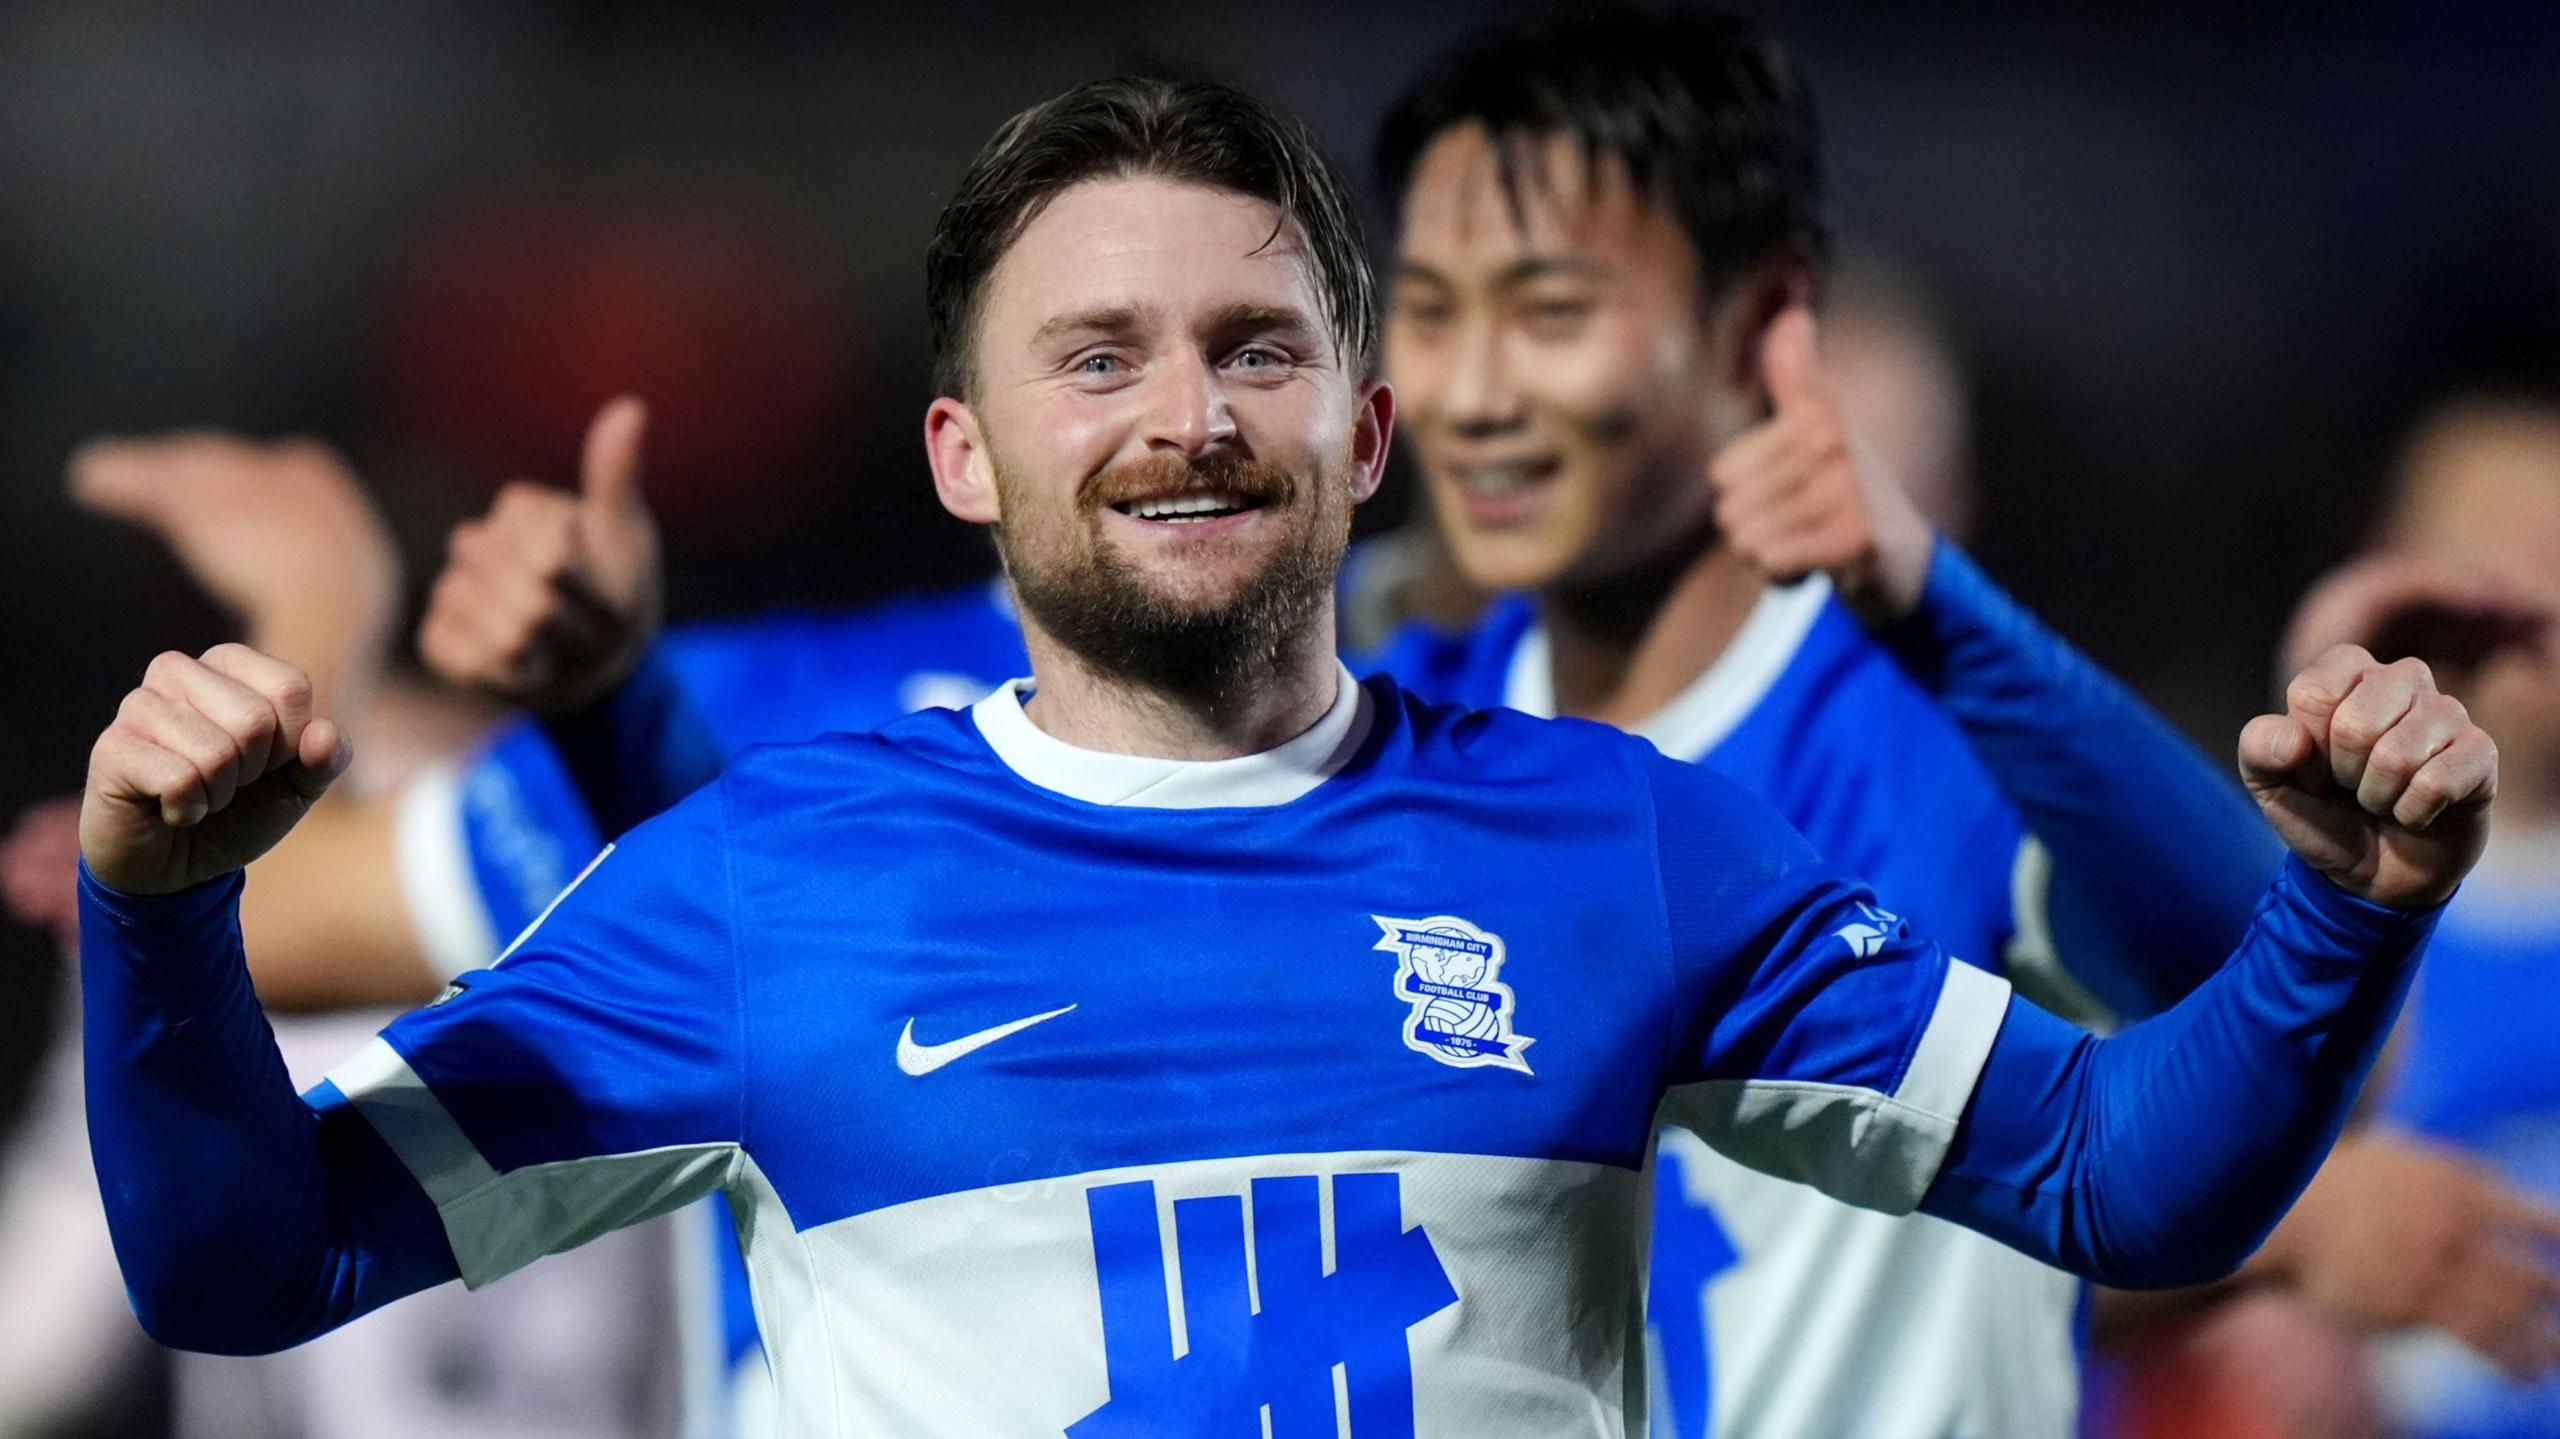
(1559, 383)
(1160, 428)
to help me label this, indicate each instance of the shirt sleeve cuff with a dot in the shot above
(2343, 922)
(157, 915)
(172, 943)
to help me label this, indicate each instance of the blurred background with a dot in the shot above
(2200, 272)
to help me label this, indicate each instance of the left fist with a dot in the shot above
(1795, 494)
(2374, 777)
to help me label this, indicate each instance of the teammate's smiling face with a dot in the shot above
(1559, 382)
(1161, 426)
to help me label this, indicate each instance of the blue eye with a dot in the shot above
(1098, 365)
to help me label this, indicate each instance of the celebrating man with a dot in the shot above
(1153, 937)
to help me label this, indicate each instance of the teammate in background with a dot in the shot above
(1603, 345)
(2466, 573)
(284, 538)
(1153, 329)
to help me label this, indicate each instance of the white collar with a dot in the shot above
(1699, 717)
(1275, 776)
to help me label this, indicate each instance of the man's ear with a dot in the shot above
(964, 473)
(1371, 432)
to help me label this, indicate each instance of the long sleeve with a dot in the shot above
(1821, 1040)
(245, 1218)
(2164, 1154)
(2157, 857)
(589, 1080)
(637, 751)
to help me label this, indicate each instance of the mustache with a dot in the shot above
(1157, 477)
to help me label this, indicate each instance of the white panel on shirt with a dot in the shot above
(433, 861)
(1841, 1321)
(979, 1313)
(1837, 1320)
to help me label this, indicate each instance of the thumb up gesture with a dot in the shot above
(1795, 495)
(549, 600)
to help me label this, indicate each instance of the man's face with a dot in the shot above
(1169, 445)
(1557, 381)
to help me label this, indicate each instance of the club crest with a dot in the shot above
(1450, 972)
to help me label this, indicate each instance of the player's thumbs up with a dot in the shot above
(1789, 364)
(549, 600)
(609, 467)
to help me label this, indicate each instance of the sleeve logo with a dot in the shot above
(1866, 935)
(1449, 972)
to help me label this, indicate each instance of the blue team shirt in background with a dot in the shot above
(2477, 1071)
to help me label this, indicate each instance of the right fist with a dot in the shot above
(205, 768)
(550, 600)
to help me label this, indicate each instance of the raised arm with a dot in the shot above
(2153, 860)
(1855, 1056)
(243, 1219)
(247, 1218)
(553, 603)
(2165, 1154)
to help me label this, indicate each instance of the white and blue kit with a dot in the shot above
(1304, 1093)
(1914, 1328)
(1777, 1311)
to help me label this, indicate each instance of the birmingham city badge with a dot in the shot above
(1450, 972)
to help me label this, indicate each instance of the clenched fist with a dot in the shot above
(1795, 494)
(2375, 778)
(549, 601)
(205, 768)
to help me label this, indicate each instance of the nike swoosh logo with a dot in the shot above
(922, 1059)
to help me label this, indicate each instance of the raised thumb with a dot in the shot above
(609, 468)
(1789, 364)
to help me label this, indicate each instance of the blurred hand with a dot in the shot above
(2375, 778)
(205, 768)
(281, 534)
(37, 867)
(550, 600)
(1795, 494)
(2394, 1232)
(2399, 606)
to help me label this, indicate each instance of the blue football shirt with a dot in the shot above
(1096, 1094)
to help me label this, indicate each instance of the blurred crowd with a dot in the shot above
(2221, 342)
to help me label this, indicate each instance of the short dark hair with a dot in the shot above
(1190, 130)
(1710, 113)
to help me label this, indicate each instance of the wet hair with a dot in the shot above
(1196, 131)
(1709, 114)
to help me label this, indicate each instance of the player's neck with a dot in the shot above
(1257, 703)
(1623, 651)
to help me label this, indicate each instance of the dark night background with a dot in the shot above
(2203, 267)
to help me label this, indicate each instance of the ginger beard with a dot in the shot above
(1205, 621)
